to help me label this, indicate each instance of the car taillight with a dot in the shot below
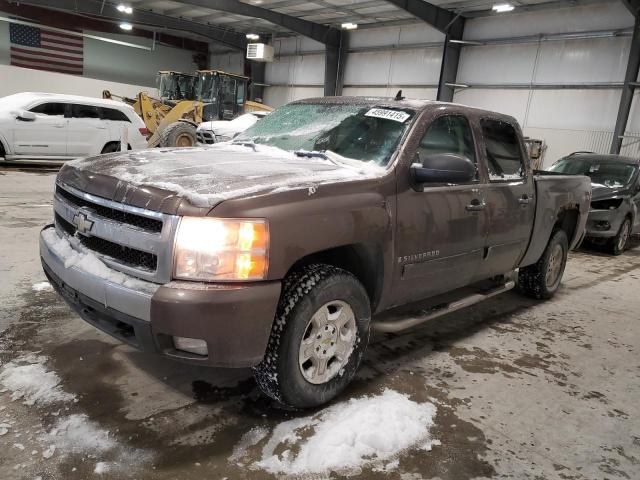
(144, 132)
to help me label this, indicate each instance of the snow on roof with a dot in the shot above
(24, 98)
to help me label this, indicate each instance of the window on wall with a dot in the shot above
(55, 109)
(448, 134)
(504, 154)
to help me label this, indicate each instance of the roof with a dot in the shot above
(602, 157)
(417, 105)
(27, 97)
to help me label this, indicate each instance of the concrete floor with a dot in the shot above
(523, 389)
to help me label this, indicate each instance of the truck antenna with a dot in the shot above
(399, 96)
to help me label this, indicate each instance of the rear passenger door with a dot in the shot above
(509, 196)
(441, 230)
(87, 132)
(118, 124)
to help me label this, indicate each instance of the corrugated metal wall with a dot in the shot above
(563, 91)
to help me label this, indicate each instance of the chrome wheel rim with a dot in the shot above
(327, 343)
(624, 235)
(554, 267)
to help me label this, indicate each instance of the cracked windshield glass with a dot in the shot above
(350, 131)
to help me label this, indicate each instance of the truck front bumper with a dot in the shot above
(234, 320)
(603, 224)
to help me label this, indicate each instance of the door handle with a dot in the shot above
(525, 199)
(476, 205)
(101, 128)
(58, 125)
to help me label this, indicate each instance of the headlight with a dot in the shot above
(216, 249)
(611, 204)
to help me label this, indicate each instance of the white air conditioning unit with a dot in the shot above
(260, 52)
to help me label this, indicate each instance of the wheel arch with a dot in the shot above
(567, 220)
(363, 260)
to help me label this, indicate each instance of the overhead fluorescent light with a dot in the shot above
(253, 36)
(85, 35)
(124, 9)
(349, 26)
(502, 7)
(126, 26)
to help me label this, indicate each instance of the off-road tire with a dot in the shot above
(532, 279)
(615, 244)
(305, 291)
(176, 134)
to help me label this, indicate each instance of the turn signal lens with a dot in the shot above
(214, 249)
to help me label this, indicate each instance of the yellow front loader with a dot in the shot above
(187, 100)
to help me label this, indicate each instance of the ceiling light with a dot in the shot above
(502, 7)
(349, 26)
(126, 26)
(124, 9)
(253, 36)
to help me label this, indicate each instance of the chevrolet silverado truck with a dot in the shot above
(282, 249)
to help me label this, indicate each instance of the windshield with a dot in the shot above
(206, 88)
(608, 174)
(352, 131)
(176, 87)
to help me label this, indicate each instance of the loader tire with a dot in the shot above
(178, 134)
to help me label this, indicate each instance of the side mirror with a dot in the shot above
(24, 115)
(443, 168)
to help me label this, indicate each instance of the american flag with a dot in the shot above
(32, 47)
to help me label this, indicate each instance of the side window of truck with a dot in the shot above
(448, 134)
(504, 155)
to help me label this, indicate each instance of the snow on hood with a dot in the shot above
(228, 128)
(205, 176)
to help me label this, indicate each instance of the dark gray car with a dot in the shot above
(615, 202)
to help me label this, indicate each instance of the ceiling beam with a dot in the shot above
(439, 18)
(320, 33)
(632, 5)
(107, 11)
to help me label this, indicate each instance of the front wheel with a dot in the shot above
(542, 279)
(318, 338)
(618, 244)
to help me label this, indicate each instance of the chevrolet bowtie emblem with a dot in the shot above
(82, 223)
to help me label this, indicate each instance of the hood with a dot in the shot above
(162, 179)
(602, 192)
(229, 128)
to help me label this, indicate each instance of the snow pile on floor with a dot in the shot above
(77, 434)
(349, 435)
(28, 378)
(79, 257)
(41, 287)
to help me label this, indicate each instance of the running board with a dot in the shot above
(398, 326)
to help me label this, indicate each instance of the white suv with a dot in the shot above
(48, 126)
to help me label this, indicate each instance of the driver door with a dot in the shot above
(44, 136)
(441, 231)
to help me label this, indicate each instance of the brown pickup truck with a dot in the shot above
(280, 249)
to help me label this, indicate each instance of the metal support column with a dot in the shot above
(256, 90)
(630, 79)
(450, 61)
(335, 61)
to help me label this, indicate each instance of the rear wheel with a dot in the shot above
(618, 244)
(111, 147)
(319, 335)
(542, 279)
(178, 134)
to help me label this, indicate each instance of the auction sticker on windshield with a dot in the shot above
(395, 115)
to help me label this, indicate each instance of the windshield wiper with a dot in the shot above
(307, 154)
(251, 145)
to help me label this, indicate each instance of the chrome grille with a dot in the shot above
(124, 255)
(151, 224)
(132, 240)
(205, 136)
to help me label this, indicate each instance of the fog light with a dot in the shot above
(191, 345)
